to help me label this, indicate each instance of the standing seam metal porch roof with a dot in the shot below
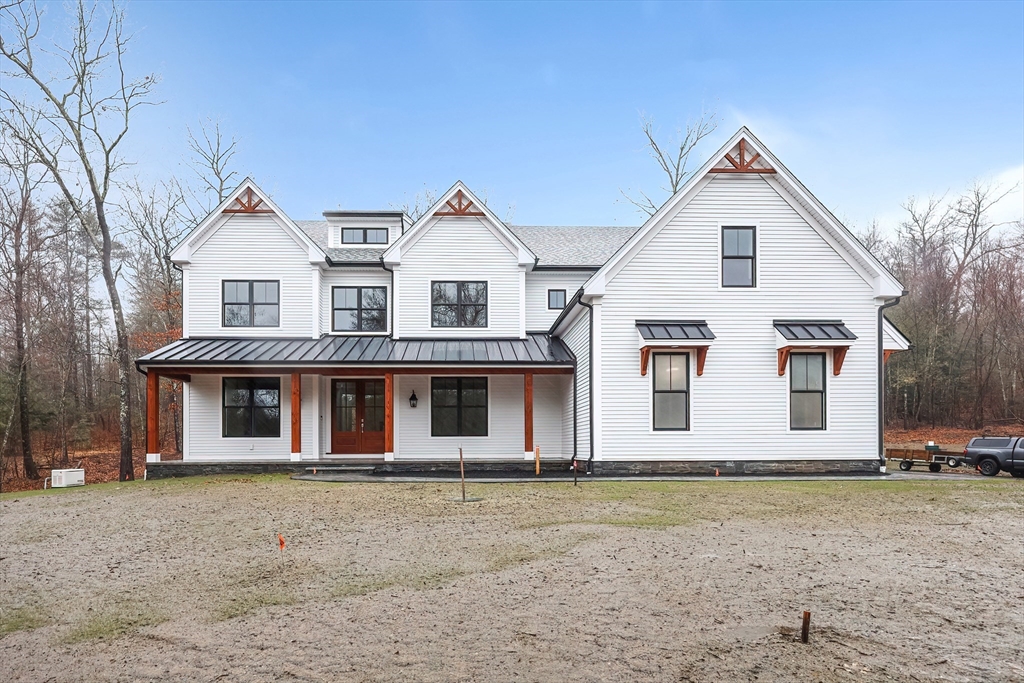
(814, 330)
(674, 330)
(536, 349)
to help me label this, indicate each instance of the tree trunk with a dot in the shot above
(20, 359)
(122, 353)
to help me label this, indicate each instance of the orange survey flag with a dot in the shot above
(280, 541)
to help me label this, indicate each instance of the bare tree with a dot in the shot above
(73, 112)
(20, 243)
(672, 156)
(419, 205)
(211, 161)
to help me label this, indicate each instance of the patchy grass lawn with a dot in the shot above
(693, 581)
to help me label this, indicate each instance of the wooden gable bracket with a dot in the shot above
(886, 353)
(742, 165)
(645, 357)
(838, 356)
(247, 202)
(460, 206)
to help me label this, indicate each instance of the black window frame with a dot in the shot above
(252, 385)
(459, 304)
(364, 233)
(460, 383)
(359, 308)
(250, 303)
(655, 391)
(823, 391)
(556, 291)
(752, 257)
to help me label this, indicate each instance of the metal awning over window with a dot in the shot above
(674, 334)
(813, 334)
(814, 330)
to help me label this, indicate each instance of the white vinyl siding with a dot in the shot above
(538, 317)
(349, 277)
(739, 407)
(459, 249)
(249, 247)
(203, 429)
(577, 338)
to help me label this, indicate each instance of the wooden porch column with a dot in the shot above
(296, 416)
(152, 416)
(389, 414)
(528, 412)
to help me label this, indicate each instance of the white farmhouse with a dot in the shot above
(740, 328)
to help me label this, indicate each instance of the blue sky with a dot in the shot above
(536, 105)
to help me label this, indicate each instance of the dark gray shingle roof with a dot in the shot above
(556, 245)
(536, 349)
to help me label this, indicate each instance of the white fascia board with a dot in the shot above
(393, 254)
(893, 339)
(568, 320)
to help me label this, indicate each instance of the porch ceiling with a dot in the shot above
(535, 350)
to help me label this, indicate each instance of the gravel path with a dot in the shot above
(620, 581)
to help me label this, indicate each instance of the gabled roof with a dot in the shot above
(246, 198)
(460, 201)
(744, 153)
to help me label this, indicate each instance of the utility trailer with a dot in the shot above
(933, 456)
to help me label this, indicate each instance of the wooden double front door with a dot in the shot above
(357, 416)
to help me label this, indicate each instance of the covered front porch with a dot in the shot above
(371, 400)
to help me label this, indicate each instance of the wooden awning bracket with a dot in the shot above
(743, 164)
(838, 356)
(459, 205)
(645, 356)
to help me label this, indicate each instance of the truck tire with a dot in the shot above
(905, 465)
(989, 467)
(1019, 474)
(935, 467)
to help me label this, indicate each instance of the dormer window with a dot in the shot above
(364, 236)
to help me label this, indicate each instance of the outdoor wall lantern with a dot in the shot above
(413, 400)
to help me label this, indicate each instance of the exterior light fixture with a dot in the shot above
(413, 401)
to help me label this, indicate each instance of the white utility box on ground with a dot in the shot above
(64, 478)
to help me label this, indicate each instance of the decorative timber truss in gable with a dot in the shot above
(459, 205)
(248, 202)
(743, 164)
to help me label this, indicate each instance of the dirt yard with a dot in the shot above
(639, 581)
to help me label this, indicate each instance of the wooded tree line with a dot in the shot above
(87, 287)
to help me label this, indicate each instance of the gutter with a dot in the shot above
(391, 304)
(881, 379)
(590, 383)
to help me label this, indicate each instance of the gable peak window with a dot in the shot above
(458, 304)
(671, 391)
(556, 299)
(359, 309)
(364, 235)
(739, 263)
(807, 391)
(250, 303)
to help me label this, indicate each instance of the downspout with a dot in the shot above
(590, 384)
(881, 379)
(394, 295)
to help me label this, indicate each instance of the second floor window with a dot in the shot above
(364, 235)
(360, 309)
(738, 260)
(458, 304)
(556, 299)
(251, 303)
